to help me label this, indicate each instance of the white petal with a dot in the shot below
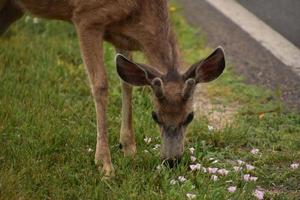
(193, 158)
(181, 178)
(253, 178)
(295, 165)
(240, 162)
(190, 196)
(237, 169)
(192, 149)
(147, 140)
(215, 161)
(214, 178)
(173, 182)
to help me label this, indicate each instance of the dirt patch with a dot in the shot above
(218, 115)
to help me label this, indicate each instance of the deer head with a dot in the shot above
(173, 96)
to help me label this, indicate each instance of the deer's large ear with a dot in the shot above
(208, 69)
(134, 73)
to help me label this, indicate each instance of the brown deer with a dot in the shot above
(129, 25)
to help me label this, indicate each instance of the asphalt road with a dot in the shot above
(248, 56)
(282, 15)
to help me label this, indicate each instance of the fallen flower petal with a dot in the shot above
(212, 170)
(231, 189)
(215, 161)
(240, 162)
(181, 178)
(192, 149)
(190, 196)
(254, 151)
(295, 165)
(237, 169)
(250, 167)
(253, 178)
(223, 172)
(90, 150)
(195, 167)
(156, 146)
(193, 158)
(147, 140)
(246, 177)
(259, 194)
(173, 182)
(214, 178)
(210, 128)
(204, 169)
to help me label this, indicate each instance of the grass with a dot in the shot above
(47, 125)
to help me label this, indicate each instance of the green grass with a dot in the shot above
(47, 125)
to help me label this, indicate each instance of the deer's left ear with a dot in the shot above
(208, 69)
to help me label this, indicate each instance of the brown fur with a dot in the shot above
(128, 25)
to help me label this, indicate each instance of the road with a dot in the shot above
(281, 15)
(257, 64)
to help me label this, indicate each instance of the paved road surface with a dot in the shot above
(250, 59)
(281, 15)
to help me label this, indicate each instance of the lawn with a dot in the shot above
(48, 128)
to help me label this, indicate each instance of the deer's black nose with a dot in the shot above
(172, 162)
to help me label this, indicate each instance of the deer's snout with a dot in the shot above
(172, 145)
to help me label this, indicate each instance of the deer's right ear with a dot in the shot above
(134, 73)
(208, 69)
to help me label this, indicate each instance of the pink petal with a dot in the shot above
(259, 194)
(254, 151)
(231, 189)
(195, 167)
(240, 162)
(212, 170)
(246, 177)
(223, 172)
(250, 167)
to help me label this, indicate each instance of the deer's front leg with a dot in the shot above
(127, 137)
(91, 43)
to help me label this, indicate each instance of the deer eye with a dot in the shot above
(155, 118)
(188, 119)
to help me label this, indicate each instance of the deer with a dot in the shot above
(129, 25)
